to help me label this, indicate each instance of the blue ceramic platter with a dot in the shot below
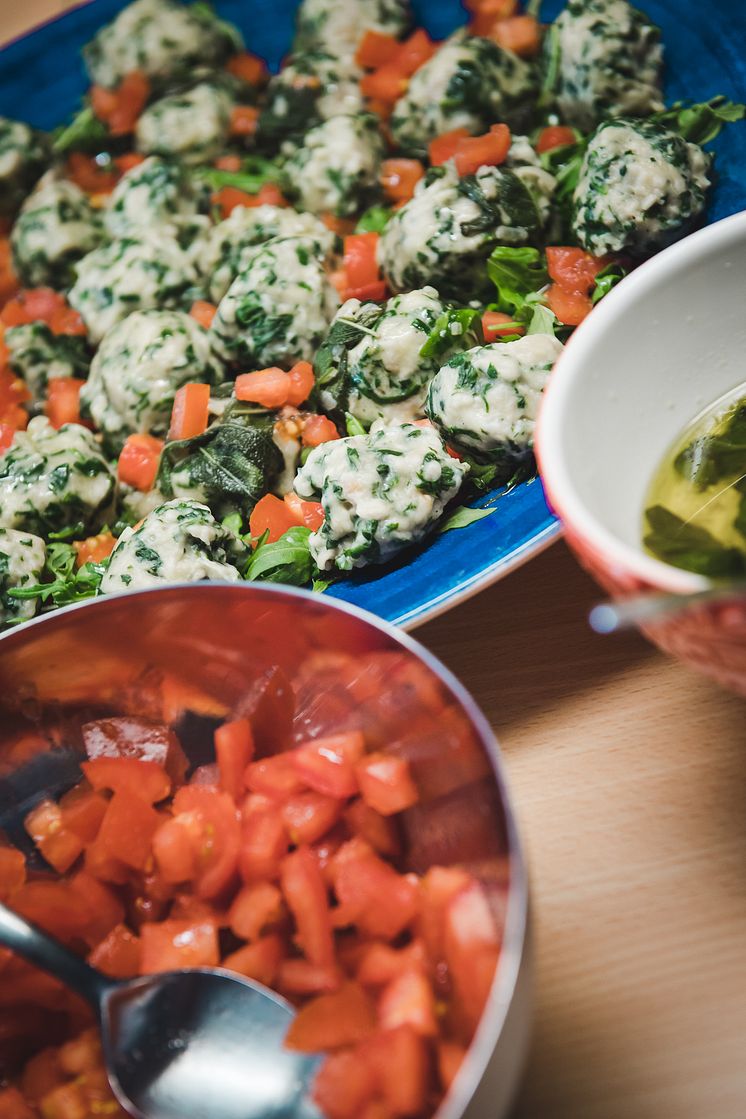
(42, 81)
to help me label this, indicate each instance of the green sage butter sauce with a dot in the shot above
(695, 511)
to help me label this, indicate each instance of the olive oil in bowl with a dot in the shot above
(695, 511)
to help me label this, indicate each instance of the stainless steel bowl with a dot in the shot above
(208, 642)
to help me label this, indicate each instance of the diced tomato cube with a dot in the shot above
(572, 269)
(386, 783)
(399, 177)
(372, 895)
(438, 887)
(331, 1021)
(554, 136)
(170, 945)
(344, 1084)
(493, 325)
(299, 977)
(94, 549)
(62, 405)
(414, 52)
(318, 430)
(104, 906)
(571, 308)
(54, 907)
(376, 49)
(380, 831)
(379, 963)
(259, 961)
(327, 764)
(489, 150)
(276, 777)
(519, 34)
(12, 871)
(190, 412)
(471, 942)
(270, 515)
(138, 461)
(175, 852)
(444, 147)
(254, 908)
(234, 748)
(118, 954)
(306, 896)
(264, 843)
(408, 1000)
(244, 120)
(146, 780)
(127, 830)
(81, 1054)
(59, 846)
(129, 737)
(310, 514)
(401, 1062)
(212, 821)
(269, 387)
(302, 382)
(309, 816)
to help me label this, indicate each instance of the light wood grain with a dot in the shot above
(629, 776)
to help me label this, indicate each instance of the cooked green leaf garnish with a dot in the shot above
(85, 132)
(686, 545)
(462, 324)
(374, 220)
(288, 560)
(463, 517)
(702, 122)
(62, 582)
(516, 273)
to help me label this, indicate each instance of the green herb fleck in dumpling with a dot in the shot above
(22, 558)
(311, 87)
(24, 156)
(38, 355)
(158, 196)
(336, 168)
(339, 25)
(56, 226)
(192, 125)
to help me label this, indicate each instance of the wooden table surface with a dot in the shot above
(629, 777)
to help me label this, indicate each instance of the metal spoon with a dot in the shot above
(626, 613)
(183, 1044)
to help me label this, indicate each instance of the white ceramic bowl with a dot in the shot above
(669, 340)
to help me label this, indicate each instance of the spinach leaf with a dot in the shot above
(516, 273)
(61, 581)
(463, 517)
(607, 279)
(254, 174)
(702, 122)
(689, 546)
(565, 164)
(229, 467)
(321, 585)
(85, 132)
(288, 560)
(353, 425)
(374, 220)
(713, 457)
(542, 321)
(462, 325)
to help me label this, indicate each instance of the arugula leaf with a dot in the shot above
(542, 321)
(288, 560)
(455, 324)
(374, 220)
(516, 273)
(353, 425)
(463, 517)
(702, 122)
(607, 279)
(686, 545)
(85, 132)
(234, 523)
(321, 585)
(718, 455)
(63, 582)
(254, 174)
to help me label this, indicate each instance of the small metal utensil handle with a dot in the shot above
(626, 613)
(47, 953)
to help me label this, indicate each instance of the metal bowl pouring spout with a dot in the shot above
(194, 651)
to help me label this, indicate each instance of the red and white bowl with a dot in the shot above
(668, 341)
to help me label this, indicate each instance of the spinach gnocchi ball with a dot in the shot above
(165, 40)
(377, 372)
(131, 275)
(313, 86)
(38, 355)
(230, 244)
(603, 59)
(54, 479)
(640, 188)
(138, 367)
(56, 226)
(336, 168)
(192, 125)
(277, 310)
(24, 156)
(339, 25)
(485, 401)
(22, 557)
(158, 195)
(380, 493)
(179, 542)
(445, 233)
(469, 83)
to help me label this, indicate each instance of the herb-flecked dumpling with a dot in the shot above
(129, 275)
(24, 156)
(339, 25)
(191, 125)
(276, 312)
(380, 493)
(137, 369)
(38, 355)
(469, 83)
(371, 364)
(158, 196)
(336, 167)
(311, 87)
(445, 233)
(229, 245)
(640, 188)
(163, 39)
(52, 479)
(179, 542)
(603, 59)
(22, 558)
(485, 401)
(56, 226)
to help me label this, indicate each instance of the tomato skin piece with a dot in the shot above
(309, 816)
(234, 749)
(386, 783)
(343, 1017)
(326, 764)
(146, 780)
(269, 387)
(571, 308)
(259, 961)
(254, 908)
(271, 515)
(264, 843)
(138, 461)
(170, 945)
(305, 893)
(190, 412)
(318, 430)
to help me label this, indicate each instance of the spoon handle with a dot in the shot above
(47, 953)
